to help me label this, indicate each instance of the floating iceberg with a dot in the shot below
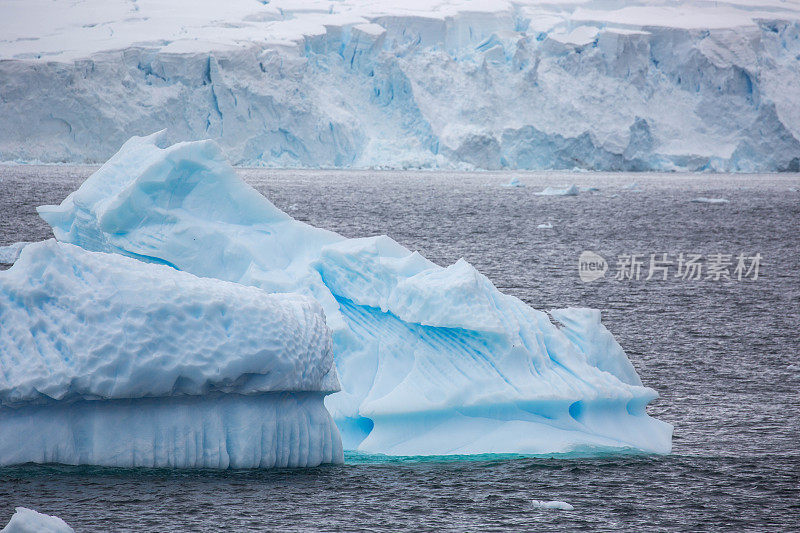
(29, 521)
(632, 187)
(703, 200)
(553, 504)
(546, 225)
(572, 190)
(431, 360)
(111, 361)
(514, 182)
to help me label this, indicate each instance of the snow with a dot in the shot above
(29, 521)
(572, 190)
(10, 253)
(530, 84)
(204, 373)
(703, 200)
(431, 360)
(553, 504)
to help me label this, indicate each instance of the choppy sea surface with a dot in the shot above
(723, 353)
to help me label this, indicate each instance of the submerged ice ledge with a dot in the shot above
(279, 429)
(431, 360)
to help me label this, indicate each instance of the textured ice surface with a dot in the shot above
(92, 325)
(594, 84)
(108, 360)
(9, 253)
(29, 521)
(432, 360)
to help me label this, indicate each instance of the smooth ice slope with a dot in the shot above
(431, 360)
(529, 84)
(29, 521)
(108, 360)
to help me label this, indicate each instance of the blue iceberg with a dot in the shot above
(431, 360)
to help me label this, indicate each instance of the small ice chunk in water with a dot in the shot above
(514, 182)
(632, 187)
(553, 504)
(546, 225)
(572, 190)
(589, 189)
(703, 200)
(27, 520)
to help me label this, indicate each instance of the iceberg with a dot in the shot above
(703, 200)
(26, 520)
(107, 360)
(514, 182)
(552, 504)
(431, 360)
(572, 190)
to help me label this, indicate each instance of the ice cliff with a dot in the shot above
(527, 84)
(111, 361)
(431, 360)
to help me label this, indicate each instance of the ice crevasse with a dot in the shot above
(431, 360)
(111, 361)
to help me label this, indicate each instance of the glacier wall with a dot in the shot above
(431, 360)
(108, 360)
(525, 85)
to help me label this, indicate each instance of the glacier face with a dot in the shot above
(112, 361)
(431, 360)
(647, 85)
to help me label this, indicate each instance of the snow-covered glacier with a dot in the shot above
(526, 84)
(111, 361)
(431, 360)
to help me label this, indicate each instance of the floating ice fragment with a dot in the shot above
(703, 200)
(572, 190)
(546, 225)
(26, 520)
(632, 187)
(553, 504)
(514, 182)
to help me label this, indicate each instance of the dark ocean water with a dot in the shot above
(723, 354)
